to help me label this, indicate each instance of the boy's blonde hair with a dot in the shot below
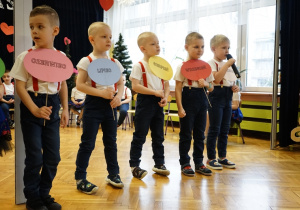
(48, 11)
(94, 27)
(142, 38)
(218, 39)
(191, 36)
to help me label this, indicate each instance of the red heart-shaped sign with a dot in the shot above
(7, 30)
(106, 4)
(10, 48)
(195, 69)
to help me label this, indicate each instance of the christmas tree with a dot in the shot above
(121, 54)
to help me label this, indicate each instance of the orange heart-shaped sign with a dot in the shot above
(106, 4)
(10, 48)
(7, 30)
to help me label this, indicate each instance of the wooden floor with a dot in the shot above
(263, 179)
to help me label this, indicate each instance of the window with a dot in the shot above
(260, 45)
(249, 24)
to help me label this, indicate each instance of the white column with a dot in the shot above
(22, 42)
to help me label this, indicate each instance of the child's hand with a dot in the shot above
(115, 102)
(108, 93)
(159, 93)
(43, 112)
(163, 102)
(64, 118)
(235, 88)
(181, 113)
(203, 83)
(11, 101)
(230, 61)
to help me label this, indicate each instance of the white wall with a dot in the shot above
(22, 42)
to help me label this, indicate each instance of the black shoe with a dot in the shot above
(203, 170)
(115, 181)
(87, 187)
(51, 204)
(36, 204)
(161, 169)
(187, 170)
(139, 173)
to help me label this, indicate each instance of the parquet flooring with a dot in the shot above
(263, 179)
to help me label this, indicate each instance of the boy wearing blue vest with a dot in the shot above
(100, 108)
(221, 101)
(152, 97)
(42, 141)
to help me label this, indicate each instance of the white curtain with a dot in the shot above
(172, 20)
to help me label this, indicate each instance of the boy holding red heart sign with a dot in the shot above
(192, 107)
(40, 100)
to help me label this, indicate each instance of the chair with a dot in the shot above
(169, 115)
(131, 112)
(239, 125)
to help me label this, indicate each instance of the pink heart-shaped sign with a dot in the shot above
(48, 65)
(10, 48)
(7, 30)
(106, 4)
(67, 41)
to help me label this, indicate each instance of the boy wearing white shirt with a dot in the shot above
(220, 98)
(99, 102)
(152, 97)
(40, 101)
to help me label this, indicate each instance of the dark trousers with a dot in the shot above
(42, 144)
(148, 114)
(123, 112)
(194, 103)
(219, 121)
(97, 111)
(5, 107)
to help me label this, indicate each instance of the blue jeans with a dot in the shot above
(194, 103)
(5, 107)
(148, 114)
(97, 111)
(219, 119)
(123, 112)
(42, 144)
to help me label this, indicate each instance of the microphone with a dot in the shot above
(235, 70)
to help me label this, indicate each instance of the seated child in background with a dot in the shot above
(8, 100)
(236, 98)
(126, 98)
(77, 103)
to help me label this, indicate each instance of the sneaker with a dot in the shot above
(11, 124)
(36, 204)
(115, 181)
(86, 187)
(226, 163)
(78, 121)
(203, 170)
(139, 173)
(187, 170)
(51, 204)
(161, 169)
(213, 164)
